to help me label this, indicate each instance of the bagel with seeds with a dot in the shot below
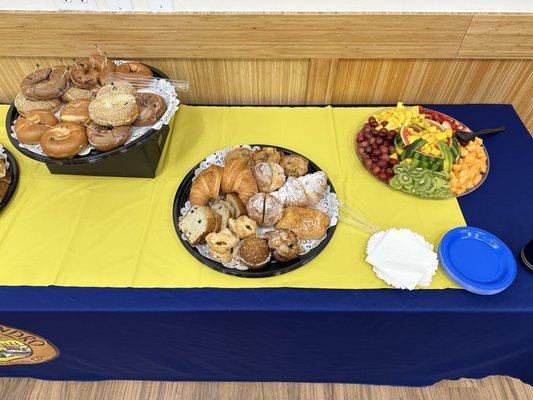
(114, 109)
(24, 105)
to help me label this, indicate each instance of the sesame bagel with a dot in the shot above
(114, 109)
(24, 105)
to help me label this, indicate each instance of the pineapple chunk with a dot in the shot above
(435, 152)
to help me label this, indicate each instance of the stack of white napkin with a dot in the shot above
(402, 258)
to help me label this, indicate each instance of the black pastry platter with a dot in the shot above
(13, 170)
(274, 267)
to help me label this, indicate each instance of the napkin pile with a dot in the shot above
(402, 258)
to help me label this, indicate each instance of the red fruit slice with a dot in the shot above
(436, 124)
(404, 134)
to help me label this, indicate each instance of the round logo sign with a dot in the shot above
(22, 347)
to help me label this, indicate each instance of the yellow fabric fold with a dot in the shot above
(71, 230)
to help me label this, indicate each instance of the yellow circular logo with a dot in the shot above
(22, 347)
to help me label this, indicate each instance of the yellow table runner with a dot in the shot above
(118, 232)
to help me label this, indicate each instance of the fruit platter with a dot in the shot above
(415, 150)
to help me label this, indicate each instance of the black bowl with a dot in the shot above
(14, 170)
(94, 156)
(274, 267)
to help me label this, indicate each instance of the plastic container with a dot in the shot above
(138, 159)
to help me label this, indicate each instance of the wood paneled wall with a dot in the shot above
(331, 81)
(295, 58)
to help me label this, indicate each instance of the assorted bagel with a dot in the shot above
(66, 108)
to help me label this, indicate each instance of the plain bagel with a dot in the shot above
(45, 83)
(64, 140)
(151, 108)
(105, 138)
(76, 111)
(33, 125)
(114, 109)
(134, 68)
(24, 106)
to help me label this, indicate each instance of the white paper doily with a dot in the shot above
(328, 204)
(159, 86)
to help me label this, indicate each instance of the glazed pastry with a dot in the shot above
(45, 83)
(151, 108)
(105, 138)
(24, 105)
(292, 193)
(76, 111)
(243, 154)
(284, 244)
(197, 224)
(242, 226)
(265, 209)
(254, 252)
(64, 140)
(269, 176)
(294, 165)
(116, 87)
(225, 210)
(237, 205)
(114, 109)
(315, 186)
(33, 125)
(222, 244)
(306, 223)
(206, 185)
(267, 154)
(74, 93)
(238, 178)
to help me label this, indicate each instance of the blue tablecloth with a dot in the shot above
(361, 336)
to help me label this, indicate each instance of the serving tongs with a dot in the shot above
(355, 219)
(465, 137)
(140, 82)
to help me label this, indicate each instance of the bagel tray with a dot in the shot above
(125, 143)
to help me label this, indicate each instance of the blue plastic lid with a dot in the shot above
(477, 260)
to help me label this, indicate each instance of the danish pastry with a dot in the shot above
(269, 176)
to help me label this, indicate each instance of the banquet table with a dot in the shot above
(293, 331)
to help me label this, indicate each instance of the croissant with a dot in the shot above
(206, 186)
(238, 178)
(306, 223)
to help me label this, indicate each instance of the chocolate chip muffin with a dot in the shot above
(284, 244)
(254, 252)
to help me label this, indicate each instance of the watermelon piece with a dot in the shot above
(404, 135)
(436, 124)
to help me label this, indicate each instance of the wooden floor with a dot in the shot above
(493, 388)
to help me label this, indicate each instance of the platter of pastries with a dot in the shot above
(255, 211)
(8, 177)
(416, 150)
(96, 105)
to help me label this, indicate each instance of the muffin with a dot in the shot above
(284, 244)
(254, 252)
